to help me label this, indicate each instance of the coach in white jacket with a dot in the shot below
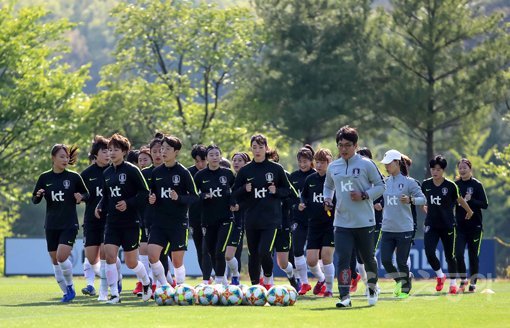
(356, 181)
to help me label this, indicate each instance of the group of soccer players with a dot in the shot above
(146, 202)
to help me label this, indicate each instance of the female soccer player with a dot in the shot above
(62, 189)
(172, 191)
(235, 244)
(214, 184)
(321, 237)
(442, 195)
(263, 184)
(93, 228)
(397, 225)
(299, 220)
(144, 157)
(469, 232)
(123, 189)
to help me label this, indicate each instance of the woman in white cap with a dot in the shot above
(397, 224)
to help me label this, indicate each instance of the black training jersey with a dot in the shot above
(195, 209)
(59, 190)
(312, 197)
(217, 184)
(477, 202)
(146, 210)
(93, 178)
(440, 203)
(168, 212)
(297, 178)
(262, 209)
(123, 183)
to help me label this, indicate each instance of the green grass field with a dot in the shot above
(34, 302)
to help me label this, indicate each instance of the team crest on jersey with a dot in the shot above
(223, 180)
(444, 190)
(122, 178)
(176, 179)
(67, 184)
(470, 190)
(355, 172)
(400, 186)
(269, 177)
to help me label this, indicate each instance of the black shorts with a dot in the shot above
(55, 237)
(127, 237)
(319, 237)
(145, 233)
(93, 236)
(235, 236)
(175, 239)
(283, 240)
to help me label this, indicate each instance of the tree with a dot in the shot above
(437, 64)
(307, 79)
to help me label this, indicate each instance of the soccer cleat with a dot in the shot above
(354, 284)
(345, 303)
(235, 281)
(119, 284)
(89, 290)
(305, 288)
(372, 298)
(440, 283)
(147, 293)
(267, 286)
(463, 285)
(114, 299)
(398, 289)
(138, 289)
(318, 288)
(102, 297)
(298, 284)
(293, 282)
(70, 295)
(472, 288)
(453, 290)
(403, 295)
(327, 294)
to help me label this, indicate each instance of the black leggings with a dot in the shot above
(473, 241)
(260, 248)
(204, 260)
(216, 239)
(431, 239)
(401, 243)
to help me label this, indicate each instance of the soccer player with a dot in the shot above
(172, 191)
(235, 244)
(356, 182)
(214, 184)
(198, 153)
(123, 189)
(442, 195)
(321, 236)
(62, 189)
(299, 220)
(469, 232)
(397, 225)
(93, 228)
(144, 157)
(263, 184)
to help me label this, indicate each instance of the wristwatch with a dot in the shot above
(364, 196)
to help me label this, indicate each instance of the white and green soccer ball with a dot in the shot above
(208, 295)
(293, 295)
(232, 295)
(256, 295)
(184, 295)
(244, 288)
(164, 296)
(278, 296)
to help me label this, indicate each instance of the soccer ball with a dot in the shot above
(198, 288)
(256, 295)
(164, 295)
(184, 295)
(244, 288)
(220, 288)
(232, 295)
(292, 295)
(278, 295)
(208, 295)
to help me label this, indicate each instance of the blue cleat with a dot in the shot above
(119, 285)
(89, 290)
(298, 284)
(69, 296)
(235, 281)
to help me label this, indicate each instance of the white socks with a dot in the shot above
(141, 274)
(439, 273)
(329, 273)
(289, 270)
(362, 272)
(301, 268)
(103, 286)
(221, 280)
(317, 272)
(453, 282)
(234, 267)
(112, 277)
(67, 271)
(90, 271)
(159, 273)
(145, 261)
(60, 278)
(180, 274)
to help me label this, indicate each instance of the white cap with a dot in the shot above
(390, 156)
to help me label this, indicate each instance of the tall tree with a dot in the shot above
(437, 64)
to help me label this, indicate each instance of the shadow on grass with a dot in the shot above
(333, 308)
(83, 301)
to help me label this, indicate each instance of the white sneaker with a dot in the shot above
(345, 303)
(372, 298)
(113, 300)
(147, 293)
(102, 297)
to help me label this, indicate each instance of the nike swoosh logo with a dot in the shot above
(450, 233)
(70, 242)
(92, 179)
(181, 246)
(133, 246)
(249, 179)
(157, 179)
(428, 189)
(285, 247)
(407, 237)
(48, 184)
(476, 240)
(311, 186)
(107, 180)
(336, 173)
(205, 181)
